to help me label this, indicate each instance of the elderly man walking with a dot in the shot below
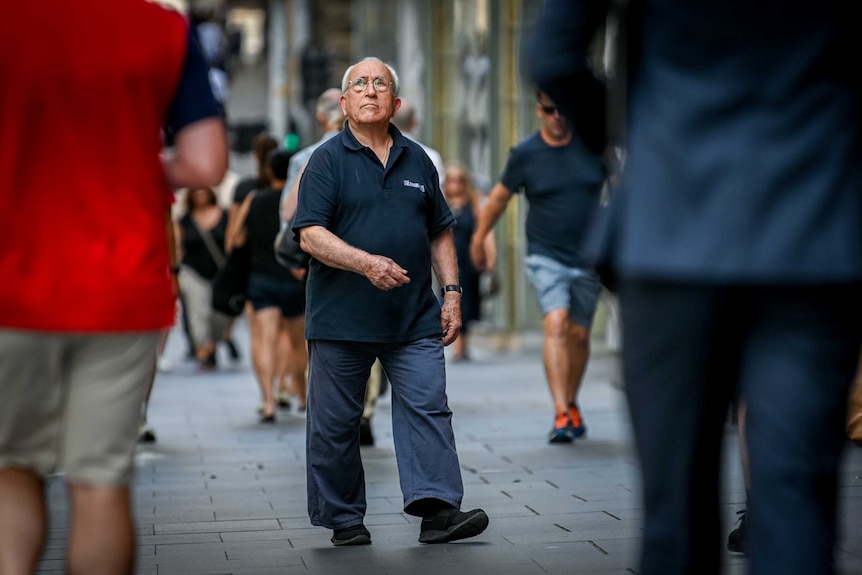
(371, 214)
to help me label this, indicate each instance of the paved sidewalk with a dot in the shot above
(221, 494)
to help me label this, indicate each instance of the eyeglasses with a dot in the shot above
(549, 110)
(361, 83)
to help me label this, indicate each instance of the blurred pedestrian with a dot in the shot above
(365, 193)
(465, 204)
(214, 44)
(406, 119)
(201, 240)
(262, 145)
(86, 284)
(276, 296)
(734, 235)
(329, 115)
(562, 181)
(146, 434)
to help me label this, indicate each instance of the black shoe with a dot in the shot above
(365, 435)
(451, 525)
(282, 399)
(208, 363)
(146, 434)
(737, 541)
(354, 535)
(232, 351)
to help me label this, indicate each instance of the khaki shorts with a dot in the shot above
(72, 403)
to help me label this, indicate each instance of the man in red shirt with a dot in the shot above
(85, 270)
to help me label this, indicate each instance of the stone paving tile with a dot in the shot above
(279, 535)
(177, 539)
(220, 494)
(216, 526)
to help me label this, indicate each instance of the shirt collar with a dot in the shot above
(351, 143)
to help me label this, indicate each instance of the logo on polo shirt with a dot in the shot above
(420, 187)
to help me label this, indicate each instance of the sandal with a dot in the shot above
(282, 399)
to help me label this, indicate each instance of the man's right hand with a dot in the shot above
(477, 253)
(384, 273)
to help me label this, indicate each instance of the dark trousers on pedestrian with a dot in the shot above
(421, 427)
(792, 353)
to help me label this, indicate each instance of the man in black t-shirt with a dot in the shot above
(371, 214)
(562, 181)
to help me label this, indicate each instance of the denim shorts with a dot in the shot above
(561, 287)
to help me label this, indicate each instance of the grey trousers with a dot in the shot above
(421, 426)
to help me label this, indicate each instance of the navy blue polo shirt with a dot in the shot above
(563, 186)
(394, 212)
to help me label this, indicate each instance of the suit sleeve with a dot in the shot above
(558, 56)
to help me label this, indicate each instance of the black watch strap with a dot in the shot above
(452, 287)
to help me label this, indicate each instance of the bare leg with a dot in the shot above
(163, 339)
(22, 521)
(283, 369)
(204, 353)
(102, 536)
(264, 350)
(556, 357)
(297, 361)
(579, 354)
(460, 347)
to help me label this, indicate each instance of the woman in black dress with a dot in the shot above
(277, 298)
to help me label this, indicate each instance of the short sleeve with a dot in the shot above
(441, 217)
(194, 99)
(513, 173)
(243, 189)
(318, 195)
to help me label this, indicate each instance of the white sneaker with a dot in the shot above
(164, 364)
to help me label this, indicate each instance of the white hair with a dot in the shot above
(396, 85)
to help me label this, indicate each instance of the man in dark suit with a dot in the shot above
(736, 236)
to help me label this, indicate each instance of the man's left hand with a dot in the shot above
(450, 317)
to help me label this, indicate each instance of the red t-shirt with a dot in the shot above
(85, 88)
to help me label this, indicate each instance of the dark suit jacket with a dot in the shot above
(744, 136)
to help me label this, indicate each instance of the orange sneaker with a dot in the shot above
(562, 431)
(578, 428)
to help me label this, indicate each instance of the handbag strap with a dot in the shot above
(215, 253)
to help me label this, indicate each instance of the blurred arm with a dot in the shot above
(199, 155)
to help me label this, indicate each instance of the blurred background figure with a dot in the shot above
(146, 434)
(562, 181)
(201, 240)
(330, 117)
(406, 119)
(278, 349)
(210, 32)
(86, 290)
(262, 145)
(465, 204)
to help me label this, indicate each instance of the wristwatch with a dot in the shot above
(452, 287)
